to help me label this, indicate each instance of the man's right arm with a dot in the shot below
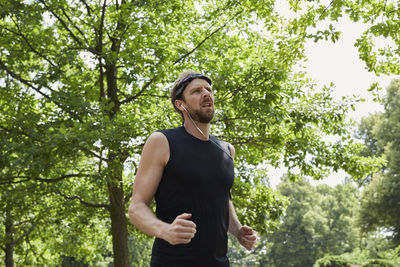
(155, 156)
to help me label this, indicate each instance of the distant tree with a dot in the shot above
(380, 203)
(318, 221)
(373, 250)
(140, 248)
(367, 131)
(333, 261)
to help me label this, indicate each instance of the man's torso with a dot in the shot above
(197, 179)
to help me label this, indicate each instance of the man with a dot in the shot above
(190, 173)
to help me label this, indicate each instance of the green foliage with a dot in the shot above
(381, 17)
(345, 261)
(367, 131)
(378, 263)
(84, 83)
(332, 261)
(318, 221)
(255, 203)
(374, 246)
(387, 257)
(140, 249)
(380, 203)
(238, 256)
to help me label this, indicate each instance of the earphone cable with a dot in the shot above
(201, 132)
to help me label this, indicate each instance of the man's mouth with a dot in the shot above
(207, 104)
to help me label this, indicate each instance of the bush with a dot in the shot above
(379, 263)
(332, 261)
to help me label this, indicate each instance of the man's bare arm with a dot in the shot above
(155, 156)
(246, 236)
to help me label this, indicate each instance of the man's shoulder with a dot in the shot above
(222, 142)
(226, 146)
(170, 131)
(156, 137)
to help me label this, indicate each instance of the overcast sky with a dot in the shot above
(339, 63)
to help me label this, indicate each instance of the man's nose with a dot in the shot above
(206, 93)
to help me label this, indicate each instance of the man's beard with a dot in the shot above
(202, 116)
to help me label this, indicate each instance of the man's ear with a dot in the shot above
(178, 104)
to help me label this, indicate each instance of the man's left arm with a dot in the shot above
(246, 236)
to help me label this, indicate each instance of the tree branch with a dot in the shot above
(153, 95)
(99, 49)
(62, 177)
(26, 82)
(88, 8)
(30, 85)
(14, 182)
(206, 38)
(63, 23)
(41, 141)
(129, 99)
(111, 69)
(88, 204)
(73, 24)
(326, 9)
(10, 180)
(19, 33)
(199, 44)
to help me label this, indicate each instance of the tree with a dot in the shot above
(366, 132)
(380, 202)
(90, 80)
(33, 208)
(318, 221)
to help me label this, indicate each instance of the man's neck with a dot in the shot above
(191, 129)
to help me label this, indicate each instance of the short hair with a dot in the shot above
(174, 94)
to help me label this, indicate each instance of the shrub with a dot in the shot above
(378, 263)
(332, 261)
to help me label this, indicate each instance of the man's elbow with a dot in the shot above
(135, 210)
(132, 212)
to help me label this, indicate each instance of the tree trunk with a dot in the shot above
(115, 188)
(9, 246)
(118, 224)
(9, 257)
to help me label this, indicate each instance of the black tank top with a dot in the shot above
(197, 179)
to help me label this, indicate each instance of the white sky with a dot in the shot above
(339, 63)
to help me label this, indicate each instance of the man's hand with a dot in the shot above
(247, 237)
(180, 231)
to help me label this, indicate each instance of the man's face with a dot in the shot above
(199, 100)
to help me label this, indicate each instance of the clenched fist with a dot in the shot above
(180, 231)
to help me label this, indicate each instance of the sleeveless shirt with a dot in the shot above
(197, 179)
